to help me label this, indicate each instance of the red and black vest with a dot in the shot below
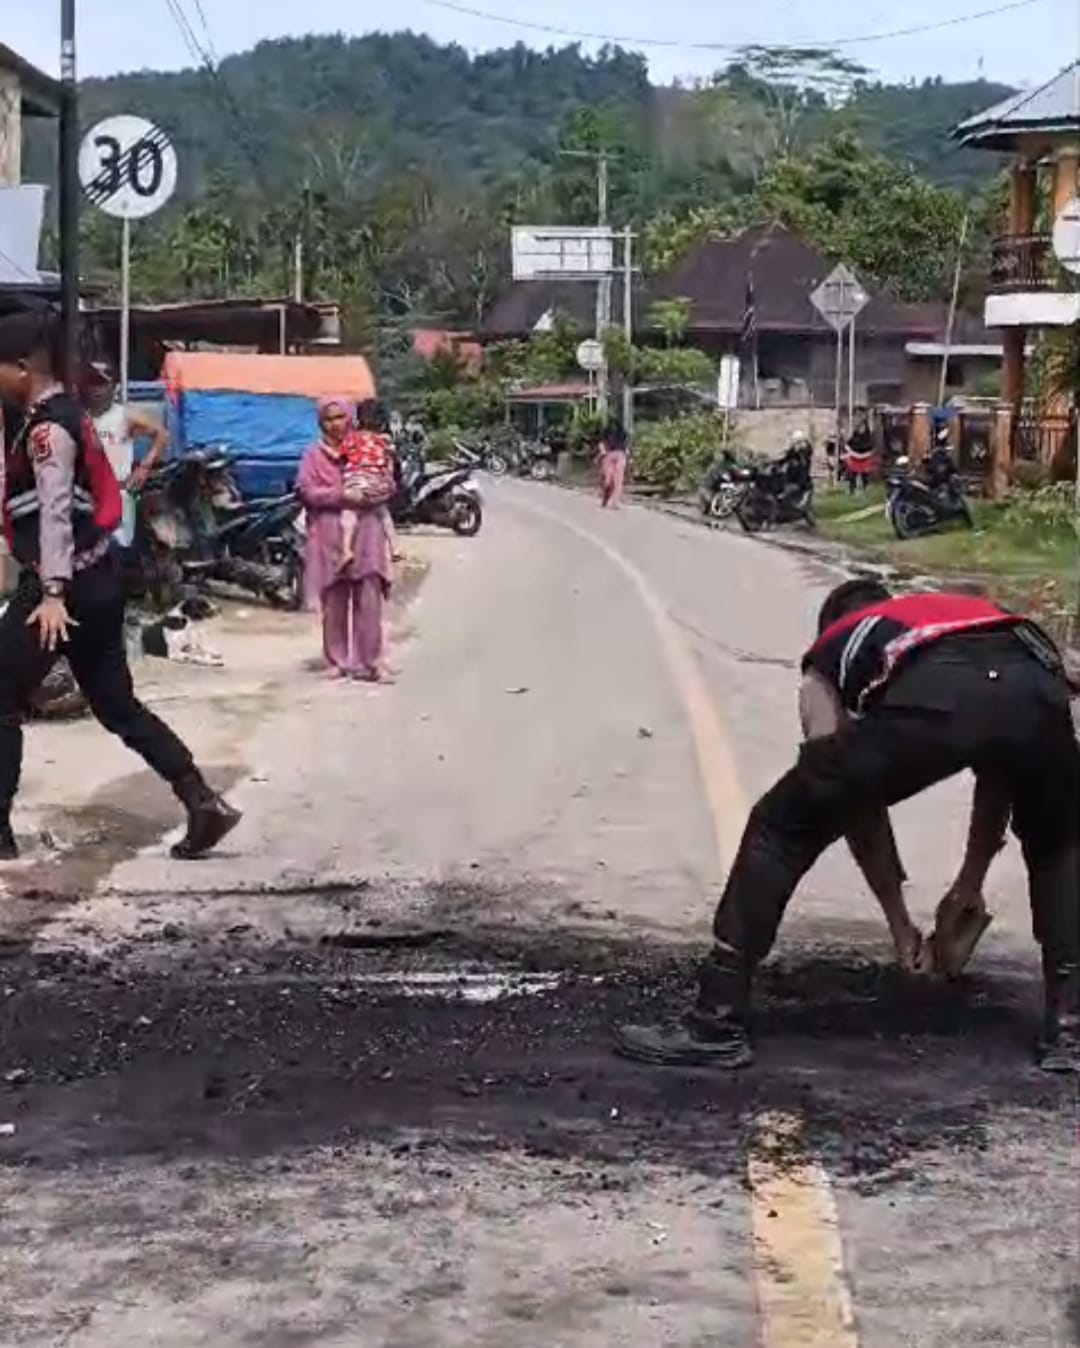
(96, 505)
(861, 652)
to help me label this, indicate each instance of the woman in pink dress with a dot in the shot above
(351, 585)
(613, 453)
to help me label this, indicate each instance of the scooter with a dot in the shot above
(193, 526)
(926, 503)
(779, 493)
(448, 497)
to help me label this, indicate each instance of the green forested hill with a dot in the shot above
(402, 163)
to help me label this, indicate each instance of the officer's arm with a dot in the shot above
(870, 837)
(52, 452)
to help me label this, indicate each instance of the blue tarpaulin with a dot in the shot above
(264, 433)
(259, 409)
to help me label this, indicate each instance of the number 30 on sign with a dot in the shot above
(127, 167)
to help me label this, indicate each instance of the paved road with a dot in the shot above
(349, 1082)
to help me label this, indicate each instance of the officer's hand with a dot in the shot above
(53, 621)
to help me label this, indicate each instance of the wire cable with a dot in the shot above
(826, 42)
(218, 83)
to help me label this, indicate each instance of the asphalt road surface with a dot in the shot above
(349, 1083)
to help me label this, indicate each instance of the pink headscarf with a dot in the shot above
(331, 403)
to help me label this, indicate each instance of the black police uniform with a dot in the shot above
(930, 701)
(49, 512)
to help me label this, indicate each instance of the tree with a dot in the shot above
(671, 318)
(881, 217)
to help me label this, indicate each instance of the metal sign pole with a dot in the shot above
(628, 329)
(839, 385)
(125, 309)
(851, 375)
(69, 196)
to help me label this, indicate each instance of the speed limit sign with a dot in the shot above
(127, 167)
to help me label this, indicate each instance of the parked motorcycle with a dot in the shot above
(536, 459)
(929, 501)
(723, 487)
(494, 459)
(781, 492)
(193, 526)
(446, 497)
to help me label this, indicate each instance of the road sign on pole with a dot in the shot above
(839, 299)
(590, 355)
(128, 169)
(1067, 236)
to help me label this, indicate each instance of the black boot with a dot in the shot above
(9, 848)
(713, 1034)
(1059, 1047)
(210, 818)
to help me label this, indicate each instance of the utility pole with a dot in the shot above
(603, 289)
(69, 196)
(628, 330)
(603, 286)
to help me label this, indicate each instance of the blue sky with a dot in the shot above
(1020, 46)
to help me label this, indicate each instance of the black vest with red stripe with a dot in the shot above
(861, 652)
(22, 506)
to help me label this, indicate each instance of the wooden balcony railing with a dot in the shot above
(1020, 262)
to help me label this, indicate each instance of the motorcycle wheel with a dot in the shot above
(288, 593)
(910, 519)
(468, 517)
(542, 470)
(497, 464)
(723, 503)
(756, 511)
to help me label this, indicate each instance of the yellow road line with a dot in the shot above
(803, 1293)
(802, 1287)
(712, 743)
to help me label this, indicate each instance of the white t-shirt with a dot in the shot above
(112, 428)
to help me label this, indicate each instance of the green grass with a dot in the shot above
(1022, 560)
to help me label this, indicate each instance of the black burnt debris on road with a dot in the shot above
(492, 1040)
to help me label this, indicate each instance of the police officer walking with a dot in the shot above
(898, 694)
(61, 505)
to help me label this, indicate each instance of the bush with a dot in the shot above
(1047, 511)
(673, 454)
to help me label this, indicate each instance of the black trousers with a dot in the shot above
(99, 663)
(975, 702)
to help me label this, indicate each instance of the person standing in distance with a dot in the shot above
(61, 506)
(118, 427)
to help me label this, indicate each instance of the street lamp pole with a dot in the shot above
(69, 196)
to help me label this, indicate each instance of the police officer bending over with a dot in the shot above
(58, 507)
(898, 694)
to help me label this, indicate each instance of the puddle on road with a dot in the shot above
(475, 986)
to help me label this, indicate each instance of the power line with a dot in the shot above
(206, 29)
(203, 58)
(626, 41)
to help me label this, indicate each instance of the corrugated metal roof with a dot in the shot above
(1053, 106)
(40, 92)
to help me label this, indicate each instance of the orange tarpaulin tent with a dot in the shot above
(299, 376)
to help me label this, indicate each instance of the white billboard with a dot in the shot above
(562, 253)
